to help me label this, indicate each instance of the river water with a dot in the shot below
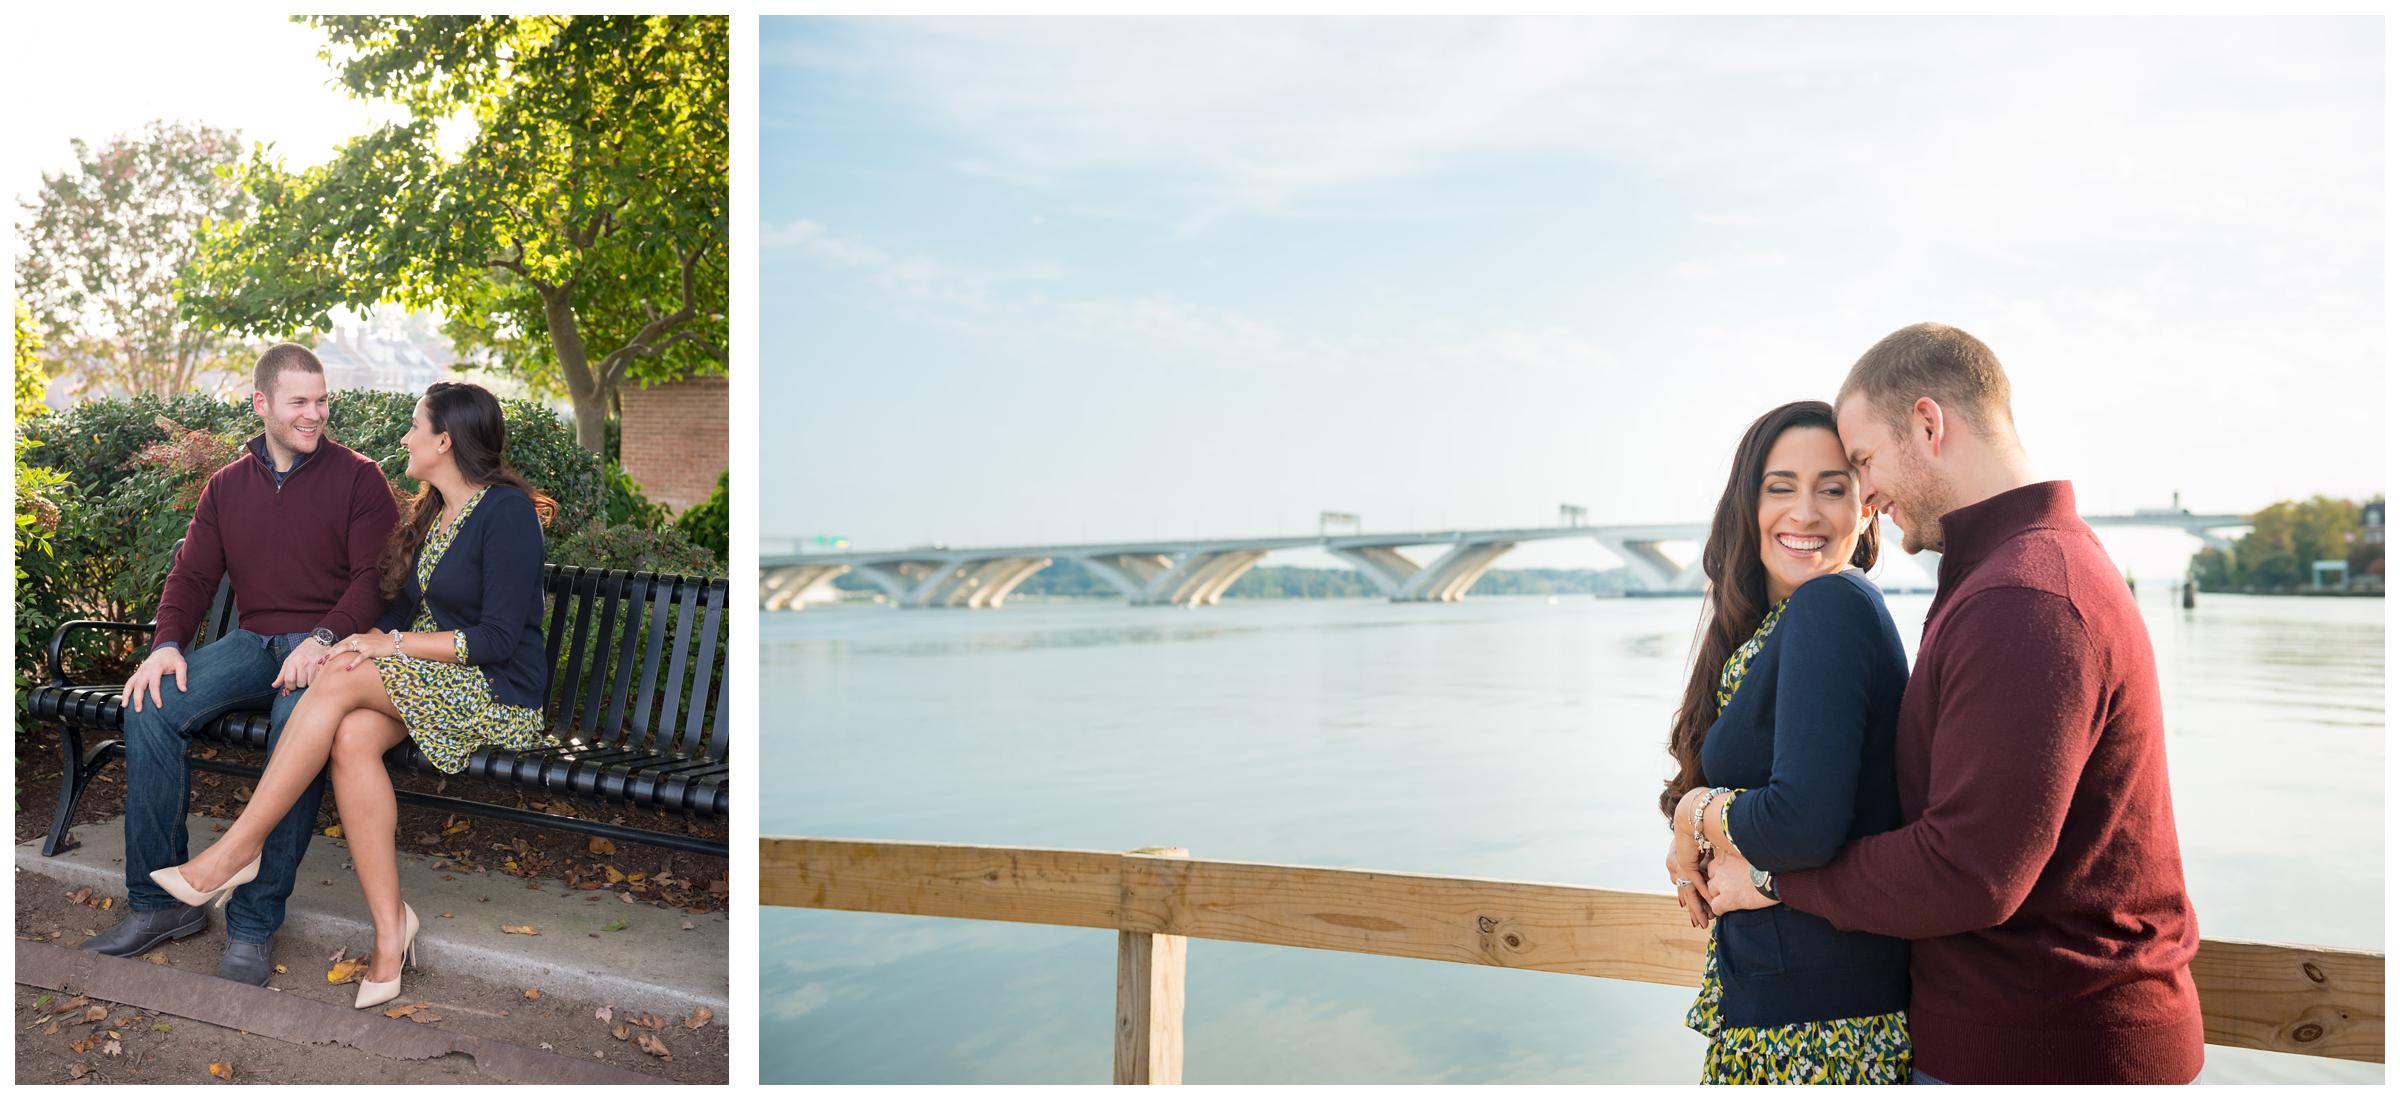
(1506, 738)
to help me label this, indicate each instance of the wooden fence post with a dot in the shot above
(1150, 1000)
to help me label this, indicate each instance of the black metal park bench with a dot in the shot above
(638, 709)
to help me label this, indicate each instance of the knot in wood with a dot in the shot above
(1513, 940)
(2315, 973)
(1485, 924)
(2308, 1033)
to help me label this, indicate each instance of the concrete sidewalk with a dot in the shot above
(652, 960)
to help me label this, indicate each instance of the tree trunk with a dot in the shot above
(574, 365)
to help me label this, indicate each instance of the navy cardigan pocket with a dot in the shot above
(1748, 944)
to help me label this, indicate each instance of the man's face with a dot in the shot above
(294, 411)
(1896, 475)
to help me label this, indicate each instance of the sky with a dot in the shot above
(253, 72)
(1077, 280)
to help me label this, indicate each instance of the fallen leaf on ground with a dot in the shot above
(74, 1003)
(222, 1071)
(80, 895)
(333, 831)
(279, 968)
(113, 1048)
(533, 994)
(604, 1013)
(51, 1030)
(162, 1027)
(94, 1014)
(83, 1045)
(339, 953)
(108, 903)
(156, 958)
(698, 1019)
(345, 972)
(687, 926)
(650, 1045)
(647, 1021)
(520, 929)
(78, 1071)
(445, 916)
(602, 846)
(613, 926)
(397, 1011)
(621, 1032)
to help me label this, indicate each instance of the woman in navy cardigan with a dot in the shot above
(1784, 748)
(456, 663)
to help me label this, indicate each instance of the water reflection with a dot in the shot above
(1506, 739)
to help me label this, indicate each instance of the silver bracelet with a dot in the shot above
(396, 650)
(1700, 814)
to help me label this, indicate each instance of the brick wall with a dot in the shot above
(674, 439)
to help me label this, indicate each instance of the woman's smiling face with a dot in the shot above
(1809, 517)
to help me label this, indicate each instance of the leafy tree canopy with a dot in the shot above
(102, 247)
(580, 236)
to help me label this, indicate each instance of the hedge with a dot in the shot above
(133, 468)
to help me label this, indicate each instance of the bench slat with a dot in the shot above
(690, 741)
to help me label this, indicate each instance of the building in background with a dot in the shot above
(673, 441)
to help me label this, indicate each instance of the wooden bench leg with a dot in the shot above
(77, 770)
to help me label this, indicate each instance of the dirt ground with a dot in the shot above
(151, 1049)
(63, 1042)
(662, 876)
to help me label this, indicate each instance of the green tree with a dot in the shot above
(39, 607)
(103, 245)
(579, 239)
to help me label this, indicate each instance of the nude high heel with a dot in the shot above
(371, 994)
(171, 879)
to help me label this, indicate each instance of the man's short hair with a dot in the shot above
(283, 357)
(1936, 361)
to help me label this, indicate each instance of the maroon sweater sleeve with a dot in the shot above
(373, 514)
(2017, 718)
(192, 580)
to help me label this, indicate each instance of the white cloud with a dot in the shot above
(918, 277)
(1998, 136)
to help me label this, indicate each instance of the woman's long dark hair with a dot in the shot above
(479, 441)
(1737, 585)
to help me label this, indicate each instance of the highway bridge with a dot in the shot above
(1195, 572)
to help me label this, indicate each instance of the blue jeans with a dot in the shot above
(235, 672)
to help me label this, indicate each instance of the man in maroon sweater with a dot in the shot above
(2037, 867)
(298, 522)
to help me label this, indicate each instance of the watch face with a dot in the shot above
(323, 635)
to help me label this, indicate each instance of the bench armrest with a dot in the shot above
(58, 641)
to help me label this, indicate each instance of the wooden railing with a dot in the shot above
(2319, 1001)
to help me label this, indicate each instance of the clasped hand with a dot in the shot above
(1729, 886)
(360, 647)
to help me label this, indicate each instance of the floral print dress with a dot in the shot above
(1860, 1050)
(448, 708)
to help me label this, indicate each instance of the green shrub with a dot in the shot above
(541, 447)
(632, 548)
(625, 505)
(131, 469)
(705, 523)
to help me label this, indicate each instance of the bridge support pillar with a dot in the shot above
(784, 589)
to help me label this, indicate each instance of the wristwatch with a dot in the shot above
(323, 635)
(1765, 881)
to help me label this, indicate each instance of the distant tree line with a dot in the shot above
(2285, 542)
(1288, 582)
